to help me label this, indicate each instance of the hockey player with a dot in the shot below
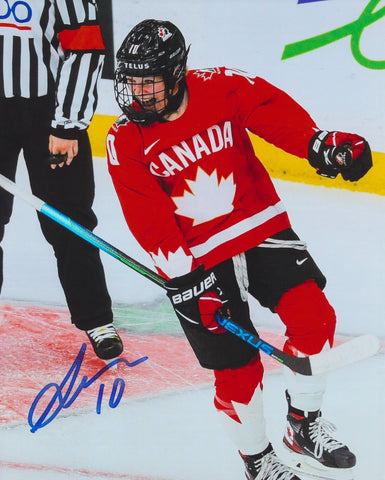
(51, 57)
(200, 202)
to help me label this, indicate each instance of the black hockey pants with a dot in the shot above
(24, 126)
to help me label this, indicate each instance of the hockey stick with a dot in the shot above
(352, 351)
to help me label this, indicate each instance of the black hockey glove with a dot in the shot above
(196, 298)
(331, 153)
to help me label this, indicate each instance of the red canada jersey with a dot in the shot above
(192, 190)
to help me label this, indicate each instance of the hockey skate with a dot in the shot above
(312, 448)
(106, 342)
(267, 466)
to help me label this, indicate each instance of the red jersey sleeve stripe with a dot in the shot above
(86, 37)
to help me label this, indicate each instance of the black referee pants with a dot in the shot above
(24, 126)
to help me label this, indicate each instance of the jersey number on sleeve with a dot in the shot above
(112, 157)
(229, 72)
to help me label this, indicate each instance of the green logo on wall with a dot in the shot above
(354, 29)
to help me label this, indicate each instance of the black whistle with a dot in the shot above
(57, 158)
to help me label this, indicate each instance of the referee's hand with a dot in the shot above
(62, 151)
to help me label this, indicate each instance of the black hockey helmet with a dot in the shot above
(153, 48)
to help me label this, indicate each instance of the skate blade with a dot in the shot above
(309, 466)
(114, 367)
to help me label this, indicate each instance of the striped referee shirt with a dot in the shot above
(51, 46)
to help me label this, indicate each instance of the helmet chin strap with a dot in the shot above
(175, 101)
(144, 117)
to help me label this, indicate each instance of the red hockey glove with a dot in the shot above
(331, 153)
(196, 298)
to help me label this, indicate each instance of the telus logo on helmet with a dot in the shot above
(138, 66)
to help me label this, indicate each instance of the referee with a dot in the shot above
(51, 57)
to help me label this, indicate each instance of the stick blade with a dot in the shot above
(349, 352)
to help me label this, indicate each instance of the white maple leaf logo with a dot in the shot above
(209, 199)
(173, 264)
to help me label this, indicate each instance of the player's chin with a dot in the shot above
(150, 108)
(153, 108)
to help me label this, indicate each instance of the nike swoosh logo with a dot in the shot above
(147, 150)
(300, 262)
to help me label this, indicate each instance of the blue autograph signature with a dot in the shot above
(63, 395)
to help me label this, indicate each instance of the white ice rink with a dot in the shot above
(176, 436)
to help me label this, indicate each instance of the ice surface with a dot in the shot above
(176, 436)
